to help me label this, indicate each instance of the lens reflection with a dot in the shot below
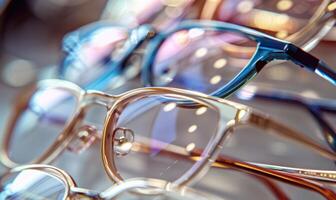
(201, 60)
(159, 130)
(31, 185)
(39, 124)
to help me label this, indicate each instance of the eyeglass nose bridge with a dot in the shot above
(85, 137)
(99, 98)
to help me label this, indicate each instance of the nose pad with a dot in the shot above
(86, 135)
(123, 141)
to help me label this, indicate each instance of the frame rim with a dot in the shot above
(205, 162)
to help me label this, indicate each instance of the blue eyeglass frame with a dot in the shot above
(268, 49)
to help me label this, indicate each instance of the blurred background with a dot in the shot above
(31, 49)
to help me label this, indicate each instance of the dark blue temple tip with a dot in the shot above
(310, 62)
(326, 72)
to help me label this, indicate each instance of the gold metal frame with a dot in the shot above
(243, 116)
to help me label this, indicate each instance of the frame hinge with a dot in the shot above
(301, 57)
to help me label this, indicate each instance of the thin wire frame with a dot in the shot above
(138, 186)
(243, 116)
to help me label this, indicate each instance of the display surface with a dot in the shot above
(276, 142)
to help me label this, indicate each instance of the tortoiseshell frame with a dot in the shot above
(243, 116)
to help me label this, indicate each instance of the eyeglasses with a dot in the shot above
(171, 134)
(303, 22)
(319, 109)
(211, 57)
(31, 182)
(34, 182)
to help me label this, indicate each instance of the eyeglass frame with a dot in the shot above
(244, 116)
(268, 48)
(141, 186)
(314, 106)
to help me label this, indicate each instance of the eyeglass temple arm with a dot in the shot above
(327, 176)
(327, 105)
(264, 122)
(310, 62)
(174, 150)
(314, 107)
(181, 153)
(278, 173)
(225, 162)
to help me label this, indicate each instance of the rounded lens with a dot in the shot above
(279, 18)
(40, 123)
(155, 136)
(201, 60)
(31, 185)
(91, 52)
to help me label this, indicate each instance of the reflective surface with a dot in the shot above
(283, 76)
(163, 122)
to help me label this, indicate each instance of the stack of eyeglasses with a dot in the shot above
(181, 134)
